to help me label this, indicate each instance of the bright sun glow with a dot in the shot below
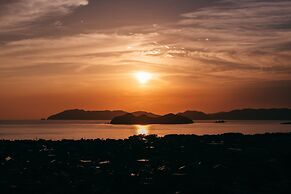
(143, 77)
(142, 129)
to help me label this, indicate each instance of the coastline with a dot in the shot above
(226, 163)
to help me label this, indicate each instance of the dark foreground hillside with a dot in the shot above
(229, 163)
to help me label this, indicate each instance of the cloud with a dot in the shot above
(20, 14)
(244, 35)
(229, 39)
(34, 57)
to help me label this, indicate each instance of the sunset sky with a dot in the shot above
(208, 55)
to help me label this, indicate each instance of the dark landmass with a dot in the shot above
(141, 113)
(130, 119)
(287, 123)
(77, 114)
(195, 115)
(226, 164)
(243, 114)
(220, 121)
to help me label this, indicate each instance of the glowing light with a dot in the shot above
(143, 77)
(142, 129)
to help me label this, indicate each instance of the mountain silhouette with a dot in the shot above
(77, 114)
(194, 115)
(242, 114)
(140, 113)
(129, 119)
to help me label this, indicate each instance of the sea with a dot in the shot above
(58, 130)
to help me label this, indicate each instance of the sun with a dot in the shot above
(143, 77)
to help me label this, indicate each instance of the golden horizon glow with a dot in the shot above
(143, 77)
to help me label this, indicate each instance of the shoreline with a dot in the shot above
(226, 163)
(148, 135)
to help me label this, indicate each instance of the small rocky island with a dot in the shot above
(286, 123)
(130, 119)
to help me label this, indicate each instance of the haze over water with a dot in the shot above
(57, 130)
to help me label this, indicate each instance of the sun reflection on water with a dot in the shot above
(142, 129)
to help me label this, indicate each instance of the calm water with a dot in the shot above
(99, 129)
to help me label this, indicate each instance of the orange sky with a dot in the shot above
(204, 55)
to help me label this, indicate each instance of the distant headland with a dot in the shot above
(242, 114)
(78, 114)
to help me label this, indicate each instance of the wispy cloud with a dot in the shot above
(254, 35)
(248, 39)
(20, 14)
(85, 51)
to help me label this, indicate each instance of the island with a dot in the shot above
(219, 121)
(131, 119)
